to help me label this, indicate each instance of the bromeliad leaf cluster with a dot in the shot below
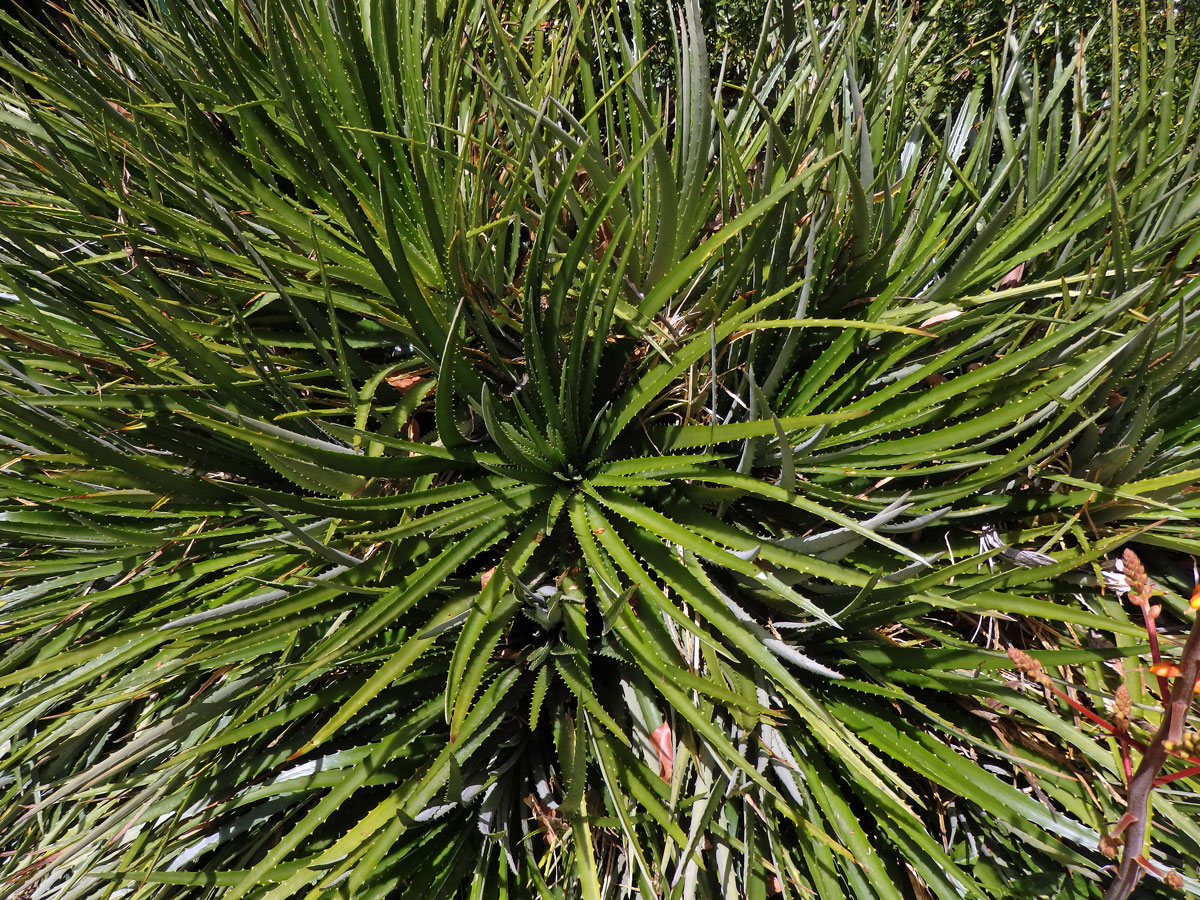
(443, 463)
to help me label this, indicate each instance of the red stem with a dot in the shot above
(1164, 689)
(1175, 776)
(1112, 729)
(1083, 710)
(1126, 758)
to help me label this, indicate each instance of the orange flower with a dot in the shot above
(1165, 669)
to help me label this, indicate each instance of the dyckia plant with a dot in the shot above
(442, 461)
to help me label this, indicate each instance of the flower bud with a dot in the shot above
(1135, 576)
(1122, 705)
(1028, 666)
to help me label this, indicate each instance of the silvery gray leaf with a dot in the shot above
(431, 813)
(784, 651)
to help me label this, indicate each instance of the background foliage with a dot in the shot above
(447, 459)
(965, 33)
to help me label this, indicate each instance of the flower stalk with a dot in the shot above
(1168, 739)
